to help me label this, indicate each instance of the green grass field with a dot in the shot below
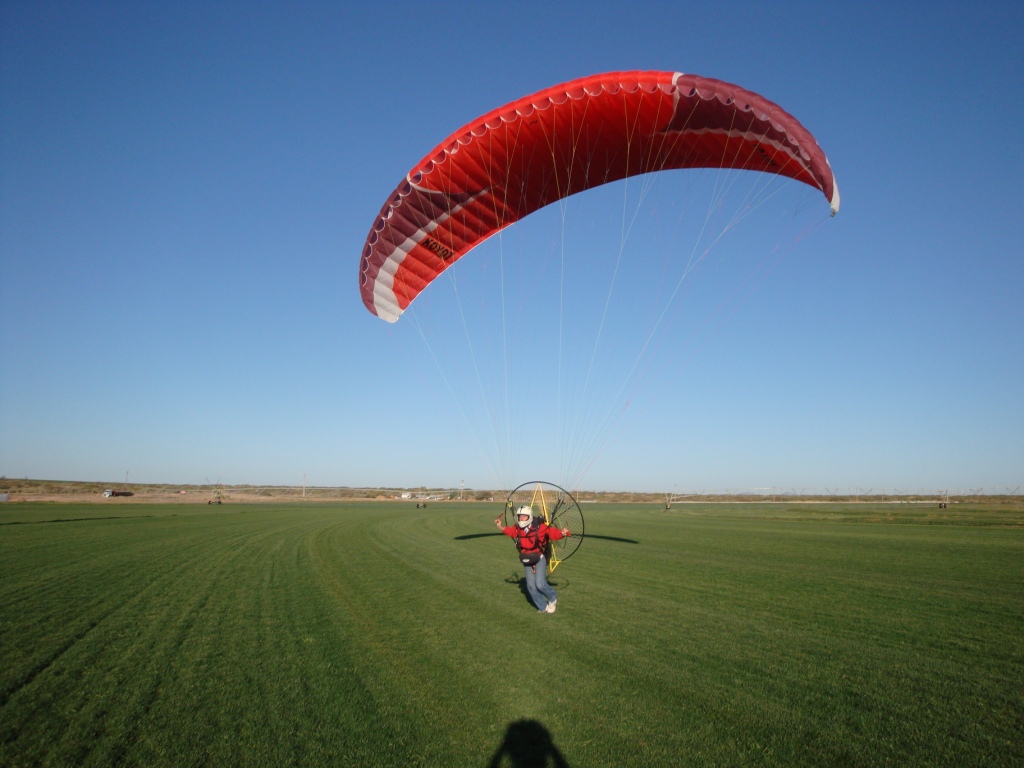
(377, 634)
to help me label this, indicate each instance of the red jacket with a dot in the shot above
(532, 539)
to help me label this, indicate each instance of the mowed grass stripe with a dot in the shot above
(378, 634)
(206, 627)
(270, 676)
(438, 627)
(60, 592)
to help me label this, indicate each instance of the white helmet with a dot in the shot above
(520, 513)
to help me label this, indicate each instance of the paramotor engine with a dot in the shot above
(554, 506)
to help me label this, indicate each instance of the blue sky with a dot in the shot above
(185, 190)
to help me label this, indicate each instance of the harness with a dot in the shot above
(529, 541)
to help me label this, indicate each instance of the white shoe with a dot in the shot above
(551, 607)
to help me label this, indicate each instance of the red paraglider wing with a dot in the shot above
(566, 139)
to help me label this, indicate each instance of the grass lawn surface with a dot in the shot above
(378, 634)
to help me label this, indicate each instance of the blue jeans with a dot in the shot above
(541, 593)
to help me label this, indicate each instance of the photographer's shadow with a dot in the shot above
(527, 744)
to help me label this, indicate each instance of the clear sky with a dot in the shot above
(185, 189)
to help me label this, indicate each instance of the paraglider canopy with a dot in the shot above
(563, 140)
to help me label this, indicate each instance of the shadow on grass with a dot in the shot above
(587, 536)
(76, 519)
(610, 538)
(521, 582)
(527, 744)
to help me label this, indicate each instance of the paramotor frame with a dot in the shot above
(558, 508)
